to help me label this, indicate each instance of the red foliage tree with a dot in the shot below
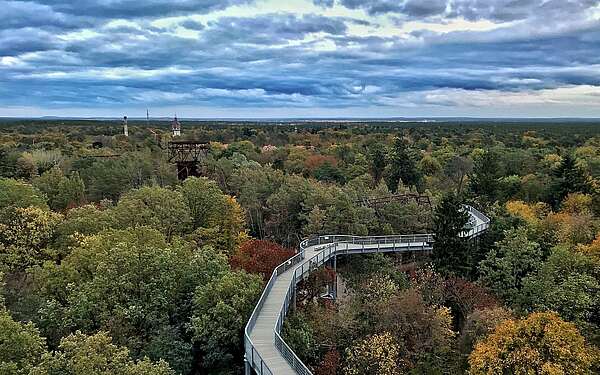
(468, 296)
(311, 288)
(260, 257)
(313, 162)
(330, 363)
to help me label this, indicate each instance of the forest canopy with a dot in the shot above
(112, 265)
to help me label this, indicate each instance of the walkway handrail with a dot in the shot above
(331, 246)
(252, 355)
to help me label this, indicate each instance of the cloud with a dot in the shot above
(379, 54)
(136, 8)
(496, 10)
(23, 14)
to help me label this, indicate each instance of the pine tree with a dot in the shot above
(450, 251)
(569, 178)
(377, 163)
(484, 180)
(402, 167)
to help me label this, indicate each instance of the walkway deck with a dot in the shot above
(262, 331)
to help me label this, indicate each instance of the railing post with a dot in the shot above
(246, 366)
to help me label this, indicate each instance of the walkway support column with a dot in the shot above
(334, 277)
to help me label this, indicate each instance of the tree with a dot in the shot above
(539, 344)
(25, 233)
(378, 163)
(423, 331)
(457, 169)
(63, 192)
(569, 177)
(402, 167)
(508, 263)
(82, 221)
(567, 283)
(450, 251)
(330, 364)
(97, 355)
(131, 283)
(221, 310)
(377, 354)
(485, 178)
(17, 194)
(21, 346)
(159, 208)
(478, 325)
(260, 257)
(299, 335)
(217, 218)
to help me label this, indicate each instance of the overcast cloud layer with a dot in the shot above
(300, 58)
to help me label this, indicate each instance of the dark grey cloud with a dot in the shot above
(16, 42)
(192, 25)
(137, 8)
(496, 10)
(324, 3)
(19, 14)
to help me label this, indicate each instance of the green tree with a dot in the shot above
(217, 218)
(484, 180)
(131, 283)
(378, 163)
(221, 310)
(569, 177)
(21, 346)
(19, 194)
(402, 167)
(26, 233)
(63, 192)
(450, 250)
(506, 265)
(96, 355)
(159, 208)
(567, 283)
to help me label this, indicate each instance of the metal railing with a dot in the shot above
(332, 245)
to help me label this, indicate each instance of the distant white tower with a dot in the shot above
(125, 129)
(176, 126)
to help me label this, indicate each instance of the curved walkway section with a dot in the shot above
(265, 351)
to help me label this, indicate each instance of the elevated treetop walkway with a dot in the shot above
(265, 350)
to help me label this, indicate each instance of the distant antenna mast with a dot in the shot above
(147, 117)
(125, 129)
(176, 127)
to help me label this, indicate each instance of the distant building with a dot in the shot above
(176, 126)
(125, 129)
(269, 148)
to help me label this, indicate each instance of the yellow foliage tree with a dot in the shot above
(377, 354)
(577, 204)
(541, 343)
(531, 213)
(592, 249)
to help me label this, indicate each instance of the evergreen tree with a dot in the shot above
(485, 178)
(377, 163)
(450, 251)
(569, 178)
(402, 167)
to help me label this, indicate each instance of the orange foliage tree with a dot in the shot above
(260, 257)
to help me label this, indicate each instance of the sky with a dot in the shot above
(300, 58)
